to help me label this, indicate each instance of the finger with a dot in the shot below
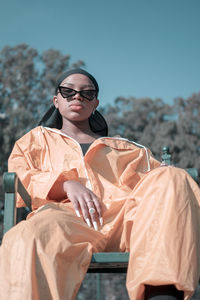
(77, 213)
(97, 205)
(84, 210)
(76, 207)
(92, 212)
(95, 225)
(98, 208)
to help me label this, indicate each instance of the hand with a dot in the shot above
(84, 199)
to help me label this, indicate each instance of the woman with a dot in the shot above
(93, 193)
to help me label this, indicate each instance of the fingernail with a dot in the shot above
(101, 221)
(95, 225)
(88, 222)
(77, 213)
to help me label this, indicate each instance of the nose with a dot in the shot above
(77, 96)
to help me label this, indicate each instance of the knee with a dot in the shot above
(40, 225)
(168, 177)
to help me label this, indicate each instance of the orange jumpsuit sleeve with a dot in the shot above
(33, 169)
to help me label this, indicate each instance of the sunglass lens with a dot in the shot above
(88, 94)
(66, 92)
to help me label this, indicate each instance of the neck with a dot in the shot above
(80, 131)
(77, 127)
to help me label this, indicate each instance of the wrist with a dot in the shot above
(66, 185)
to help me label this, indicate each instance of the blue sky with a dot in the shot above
(133, 47)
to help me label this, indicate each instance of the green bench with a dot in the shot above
(114, 262)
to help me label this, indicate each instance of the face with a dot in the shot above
(76, 107)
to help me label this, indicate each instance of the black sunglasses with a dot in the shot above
(67, 93)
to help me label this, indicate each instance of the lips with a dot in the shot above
(76, 106)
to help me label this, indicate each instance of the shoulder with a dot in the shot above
(32, 136)
(121, 143)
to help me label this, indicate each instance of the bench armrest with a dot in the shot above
(193, 172)
(12, 186)
(167, 160)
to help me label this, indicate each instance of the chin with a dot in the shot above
(76, 118)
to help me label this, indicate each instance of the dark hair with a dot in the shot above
(76, 71)
(52, 118)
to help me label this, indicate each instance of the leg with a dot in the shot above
(163, 234)
(47, 256)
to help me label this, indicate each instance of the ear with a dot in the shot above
(96, 103)
(55, 101)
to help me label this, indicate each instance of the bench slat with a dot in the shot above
(109, 262)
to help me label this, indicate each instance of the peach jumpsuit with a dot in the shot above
(149, 210)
